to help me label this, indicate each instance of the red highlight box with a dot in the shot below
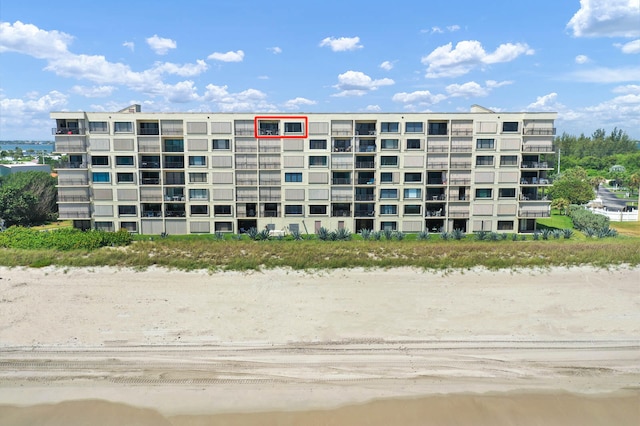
(256, 128)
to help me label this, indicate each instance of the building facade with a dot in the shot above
(184, 173)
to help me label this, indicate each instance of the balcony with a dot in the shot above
(533, 197)
(72, 165)
(151, 213)
(537, 148)
(342, 148)
(341, 181)
(68, 131)
(150, 181)
(150, 165)
(461, 165)
(340, 213)
(149, 131)
(462, 132)
(535, 181)
(271, 165)
(174, 164)
(437, 166)
(271, 213)
(365, 197)
(175, 213)
(73, 182)
(461, 148)
(540, 132)
(365, 165)
(367, 148)
(364, 213)
(459, 213)
(460, 181)
(73, 198)
(74, 214)
(434, 213)
(534, 213)
(535, 165)
(437, 148)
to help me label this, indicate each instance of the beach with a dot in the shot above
(545, 346)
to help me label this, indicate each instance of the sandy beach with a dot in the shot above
(556, 346)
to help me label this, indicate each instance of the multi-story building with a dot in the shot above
(186, 173)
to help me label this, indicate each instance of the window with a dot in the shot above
(508, 160)
(101, 177)
(222, 210)
(388, 193)
(129, 226)
(221, 144)
(485, 193)
(269, 128)
(389, 144)
(293, 177)
(198, 194)
(124, 177)
(122, 127)
(412, 209)
(388, 209)
(413, 144)
(318, 161)
(510, 126)
(391, 226)
(126, 210)
(317, 209)
(437, 128)
(505, 225)
(197, 160)
(389, 127)
(100, 160)
(412, 177)
(199, 210)
(389, 160)
(484, 160)
(413, 193)
(386, 177)
(485, 144)
(149, 129)
(295, 209)
(98, 127)
(174, 145)
(197, 177)
(293, 127)
(317, 144)
(124, 160)
(507, 193)
(414, 127)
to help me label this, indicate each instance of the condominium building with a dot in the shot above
(184, 173)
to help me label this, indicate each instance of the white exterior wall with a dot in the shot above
(208, 172)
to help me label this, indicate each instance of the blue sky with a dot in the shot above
(578, 58)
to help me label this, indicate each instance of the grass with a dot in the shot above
(205, 254)
(556, 221)
(630, 229)
(55, 225)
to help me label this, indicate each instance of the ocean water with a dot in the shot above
(47, 147)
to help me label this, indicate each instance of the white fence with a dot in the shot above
(618, 216)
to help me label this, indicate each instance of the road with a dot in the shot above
(609, 200)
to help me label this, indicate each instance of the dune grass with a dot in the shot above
(206, 254)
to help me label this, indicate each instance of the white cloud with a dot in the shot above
(439, 30)
(263, 77)
(610, 18)
(130, 45)
(453, 28)
(296, 103)
(161, 45)
(582, 59)
(473, 89)
(185, 70)
(546, 103)
(342, 44)
(356, 83)
(421, 97)
(181, 92)
(31, 40)
(386, 65)
(93, 92)
(275, 50)
(27, 118)
(230, 56)
(607, 75)
(373, 108)
(247, 100)
(446, 61)
(436, 30)
(630, 88)
(631, 47)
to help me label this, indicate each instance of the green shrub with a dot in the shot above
(62, 239)
(423, 235)
(583, 219)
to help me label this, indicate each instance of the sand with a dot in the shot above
(401, 346)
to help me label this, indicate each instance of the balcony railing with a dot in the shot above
(174, 164)
(72, 182)
(434, 213)
(150, 165)
(365, 164)
(173, 132)
(269, 132)
(461, 148)
(437, 165)
(534, 213)
(342, 165)
(535, 165)
(462, 132)
(364, 213)
(147, 131)
(270, 181)
(341, 181)
(150, 181)
(535, 181)
(151, 213)
(534, 197)
(269, 165)
(175, 213)
(70, 147)
(367, 148)
(461, 165)
(68, 131)
(365, 197)
(72, 165)
(541, 132)
(341, 213)
(73, 198)
(437, 148)
(458, 214)
(460, 181)
(537, 148)
(250, 182)
(74, 215)
(270, 213)
(342, 149)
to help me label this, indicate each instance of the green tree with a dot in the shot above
(573, 185)
(27, 198)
